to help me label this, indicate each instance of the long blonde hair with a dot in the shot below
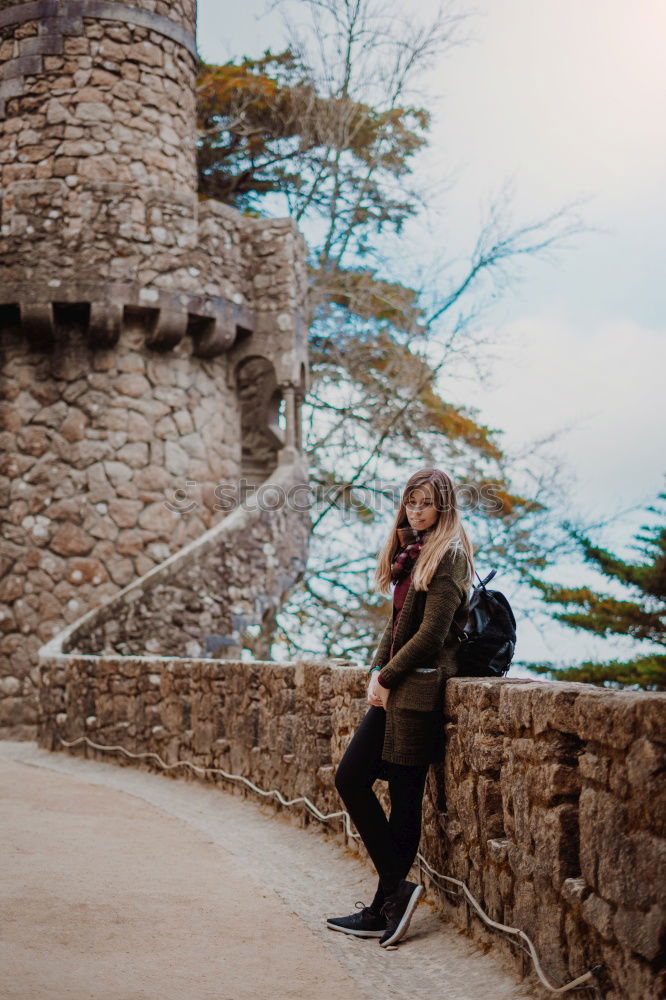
(447, 532)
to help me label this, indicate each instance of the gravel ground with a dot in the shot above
(119, 883)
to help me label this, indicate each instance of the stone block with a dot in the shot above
(651, 716)
(69, 540)
(11, 711)
(10, 87)
(594, 768)
(145, 53)
(625, 867)
(632, 870)
(599, 914)
(555, 838)
(41, 45)
(21, 67)
(125, 512)
(53, 64)
(8, 49)
(76, 46)
(71, 25)
(553, 709)
(485, 753)
(134, 454)
(10, 686)
(549, 783)
(607, 718)
(515, 707)
(93, 111)
(642, 932)
(63, 166)
(491, 820)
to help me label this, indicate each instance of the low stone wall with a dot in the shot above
(549, 806)
(555, 818)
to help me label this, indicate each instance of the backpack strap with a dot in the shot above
(459, 632)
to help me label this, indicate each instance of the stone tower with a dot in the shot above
(152, 345)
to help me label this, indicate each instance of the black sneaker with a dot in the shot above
(398, 909)
(366, 923)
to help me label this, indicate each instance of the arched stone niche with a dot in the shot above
(261, 436)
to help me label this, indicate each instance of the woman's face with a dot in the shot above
(420, 507)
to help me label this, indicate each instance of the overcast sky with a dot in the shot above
(566, 98)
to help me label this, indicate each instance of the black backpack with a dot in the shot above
(488, 640)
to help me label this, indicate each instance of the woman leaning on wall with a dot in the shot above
(428, 559)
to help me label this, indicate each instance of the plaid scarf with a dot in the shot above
(411, 542)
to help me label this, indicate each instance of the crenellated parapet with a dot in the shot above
(99, 211)
(214, 290)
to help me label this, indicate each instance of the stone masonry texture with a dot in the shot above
(549, 805)
(153, 349)
(148, 338)
(94, 443)
(218, 593)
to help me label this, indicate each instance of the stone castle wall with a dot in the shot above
(549, 806)
(92, 91)
(150, 341)
(95, 444)
(99, 211)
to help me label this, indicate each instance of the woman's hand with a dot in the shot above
(377, 695)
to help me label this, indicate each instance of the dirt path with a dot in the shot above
(122, 884)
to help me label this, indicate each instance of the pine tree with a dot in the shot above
(642, 615)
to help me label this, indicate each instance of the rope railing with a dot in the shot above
(585, 981)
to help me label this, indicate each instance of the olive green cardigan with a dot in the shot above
(423, 657)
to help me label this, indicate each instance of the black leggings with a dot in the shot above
(392, 844)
